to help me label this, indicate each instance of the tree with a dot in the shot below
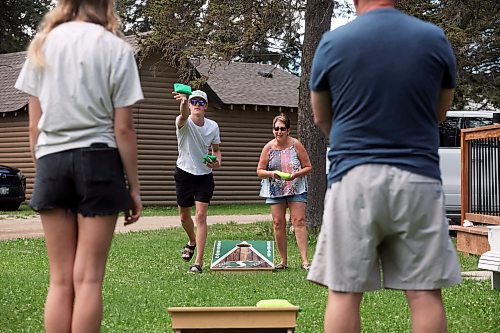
(133, 17)
(263, 31)
(19, 20)
(318, 16)
(473, 28)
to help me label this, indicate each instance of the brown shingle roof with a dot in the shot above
(240, 83)
(233, 83)
(11, 99)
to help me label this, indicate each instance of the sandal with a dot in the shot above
(188, 251)
(195, 269)
(280, 266)
(305, 266)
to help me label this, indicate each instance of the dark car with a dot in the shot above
(12, 188)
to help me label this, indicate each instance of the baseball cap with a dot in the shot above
(198, 94)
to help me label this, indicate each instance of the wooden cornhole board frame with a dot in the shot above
(240, 319)
(237, 255)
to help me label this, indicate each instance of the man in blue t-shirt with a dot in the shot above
(380, 85)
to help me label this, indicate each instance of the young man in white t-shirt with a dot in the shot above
(197, 136)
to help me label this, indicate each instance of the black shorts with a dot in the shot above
(190, 188)
(88, 181)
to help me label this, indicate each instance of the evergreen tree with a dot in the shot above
(263, 31)
(19, 20)
(133, 17)
(473, 28)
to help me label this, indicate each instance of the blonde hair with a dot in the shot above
(100, 12)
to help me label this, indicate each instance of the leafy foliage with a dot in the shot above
(132, 15)
(19, 20)
(473, 28)
(264, 31)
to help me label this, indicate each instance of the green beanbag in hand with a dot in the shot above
(209, 158)
(182, 89)
(283, 175)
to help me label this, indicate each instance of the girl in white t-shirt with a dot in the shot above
(82, 79)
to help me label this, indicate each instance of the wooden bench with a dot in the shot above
(244, 319)
(471, 240)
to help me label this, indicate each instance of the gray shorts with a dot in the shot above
(382, 223)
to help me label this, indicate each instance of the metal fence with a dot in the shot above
(484, 182)
(481, 174)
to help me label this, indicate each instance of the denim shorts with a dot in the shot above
(88, 181)
(302, 197)
(190, 188)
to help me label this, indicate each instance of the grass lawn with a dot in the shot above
(145, 275)
(240, 209)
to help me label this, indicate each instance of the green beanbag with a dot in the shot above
(276, 303)
(182, 88)
(209, 158)
(283, 175)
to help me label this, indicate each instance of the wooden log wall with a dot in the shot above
(244, 131)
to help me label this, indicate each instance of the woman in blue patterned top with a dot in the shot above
(283, 167)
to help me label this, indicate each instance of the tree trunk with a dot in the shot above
(318, 15)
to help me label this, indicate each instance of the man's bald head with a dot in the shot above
(363, 6)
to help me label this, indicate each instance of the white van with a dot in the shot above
(449, 154)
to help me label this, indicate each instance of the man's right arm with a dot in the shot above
(319, 85)
(321, 103)
(444, 103)
(184, 110)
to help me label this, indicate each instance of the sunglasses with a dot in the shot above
(199, 102)
(283, 129)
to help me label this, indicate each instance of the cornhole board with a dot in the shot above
(237, 255)
(239, 319)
